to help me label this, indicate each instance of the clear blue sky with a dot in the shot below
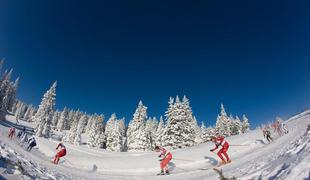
(107, 55)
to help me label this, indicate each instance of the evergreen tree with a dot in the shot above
(245, 124)
(122, 127)
(28, 114)
(204, 133)
(20, 112)
(198, 132)
(150, 128)
(55, 119)
(96, 137)
(110, 125)
(90, 121)
(80, 127)
(180, 130)
(63, 119)
(235, 126)
(70, 136)
(136, 135)
(160, 130)
(71, 116)
(43, 117)
(114, 135)
(223, 123)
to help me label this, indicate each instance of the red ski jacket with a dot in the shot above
(220, 141)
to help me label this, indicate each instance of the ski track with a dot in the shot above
(287, 157)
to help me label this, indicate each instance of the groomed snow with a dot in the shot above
(252, 157)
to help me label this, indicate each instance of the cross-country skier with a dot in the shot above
(11, 132)
(220, 141)
(165, 158)
(32, 143)
(62, 152)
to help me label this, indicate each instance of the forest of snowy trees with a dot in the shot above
(8, 90)
(178, 128)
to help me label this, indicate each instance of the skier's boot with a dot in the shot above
(229, 161)
(167, 172)
(221, 163)
(161, 173)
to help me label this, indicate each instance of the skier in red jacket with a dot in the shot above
(61, 153)
(220, 141)
(165, 159)
(11, 132)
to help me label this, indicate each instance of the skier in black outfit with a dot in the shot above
(19, 134)
(32, 142)
(267, 135)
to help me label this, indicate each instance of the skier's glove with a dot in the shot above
(211, 150)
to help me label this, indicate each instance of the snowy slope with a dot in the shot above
(287, 157)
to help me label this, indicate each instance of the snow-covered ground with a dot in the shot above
(252, 157)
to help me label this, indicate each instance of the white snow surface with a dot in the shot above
(252, 157)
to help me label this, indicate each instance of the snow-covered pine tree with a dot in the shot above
(55, 119)
(85, 125)
(63, 119)
(179, 131)
(136, 135)
(204, 133)
(43, 117)
(245, 124)
(80, 128)
(113, 133)
(160, 130)
(110, 125)
(150, 129)
(12, 94)
(122, 127)
(235, 126)
(223, 122)
(20, 112)
(28, 113)
(90, 122)
(70, 136)
(71, 115)
(96, 137)
(7, 93)
(15, 106)
(198, 131)
(100, 141)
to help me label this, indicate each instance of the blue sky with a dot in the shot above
(253, 56)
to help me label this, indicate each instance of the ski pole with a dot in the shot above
(68, 161)
(183, 159)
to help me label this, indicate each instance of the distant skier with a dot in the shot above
(165, 158)
(32, 143)
(19, 134)
(267, 135)
(220, 141)
(11, 132)
(62, 152)
(24, 129)
(284, 128)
